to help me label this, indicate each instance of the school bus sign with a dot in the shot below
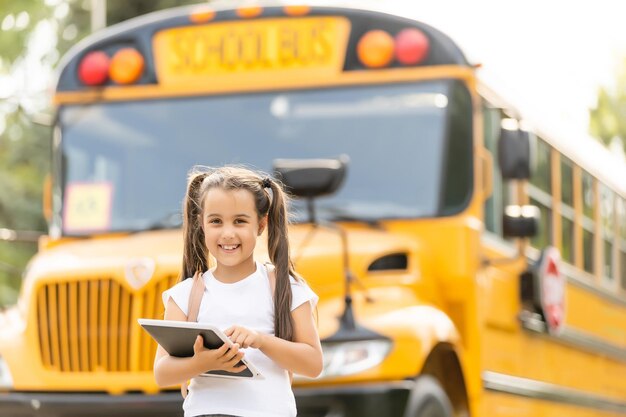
(271, 46)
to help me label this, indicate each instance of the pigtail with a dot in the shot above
(195, 256)
(278, 248)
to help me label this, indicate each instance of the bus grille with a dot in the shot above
(91, 325)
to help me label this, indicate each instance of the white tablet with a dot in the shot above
(178, 337)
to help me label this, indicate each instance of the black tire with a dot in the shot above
(428, 399)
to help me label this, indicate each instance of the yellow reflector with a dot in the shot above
(126, 66)
(202, 15)
(375, 49)
(296, 10)
(249, 11)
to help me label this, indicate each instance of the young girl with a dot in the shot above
(225, 210)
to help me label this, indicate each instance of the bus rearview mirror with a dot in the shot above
(520, 221)
(311, 178)
(514, 154)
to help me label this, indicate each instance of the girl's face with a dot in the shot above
(231, 227)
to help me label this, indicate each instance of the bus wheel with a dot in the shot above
(428, 399)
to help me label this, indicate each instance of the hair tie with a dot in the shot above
(266, 182)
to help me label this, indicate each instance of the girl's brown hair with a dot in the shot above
(274, 206)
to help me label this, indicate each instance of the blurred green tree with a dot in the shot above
(24, 145)
(34, 34)
(17, 20)
(120, 10)
(608, 118)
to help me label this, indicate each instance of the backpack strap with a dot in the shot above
(195, 296)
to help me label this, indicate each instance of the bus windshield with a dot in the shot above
(132, 157)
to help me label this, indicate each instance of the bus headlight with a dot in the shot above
(6, 381)
(353, 357)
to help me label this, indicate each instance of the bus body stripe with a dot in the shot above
(576, 338)
(540, 390)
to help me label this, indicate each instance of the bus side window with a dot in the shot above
(588, 223)
(540, 192)
(607, 213)
(500, 196)
(621, 217)
(567, 210)
(459, 175)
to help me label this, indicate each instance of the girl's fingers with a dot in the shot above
(236, 355)
(198, 344)
(243, 340)
(250, 340)
(232, 331)
(228, 361)
(221, 350)
(238, 369)
(222, 353)
(227, 355)
(234, 360)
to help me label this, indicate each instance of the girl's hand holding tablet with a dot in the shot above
(224, 358)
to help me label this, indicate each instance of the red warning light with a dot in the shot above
(94, 68)
(411, 46)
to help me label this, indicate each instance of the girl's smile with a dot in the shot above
(229, 248)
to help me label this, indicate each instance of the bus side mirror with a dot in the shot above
(520, 221)
(514, 154)
(311, 178)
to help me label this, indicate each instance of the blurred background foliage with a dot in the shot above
(34, 34)
(608, 119)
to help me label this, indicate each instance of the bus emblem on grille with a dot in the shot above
(139, 271)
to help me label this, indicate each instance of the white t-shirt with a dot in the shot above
(246, 303)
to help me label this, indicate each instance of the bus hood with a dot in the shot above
(384, 263)
(316, 252)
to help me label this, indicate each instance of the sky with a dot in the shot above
(549, 56)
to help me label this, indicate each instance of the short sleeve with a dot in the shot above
(301, 293)
(180, 294)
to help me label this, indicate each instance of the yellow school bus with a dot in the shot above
(456, 278)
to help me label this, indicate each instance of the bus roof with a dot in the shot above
(139, 32)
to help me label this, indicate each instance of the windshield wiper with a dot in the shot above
(336, 214)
